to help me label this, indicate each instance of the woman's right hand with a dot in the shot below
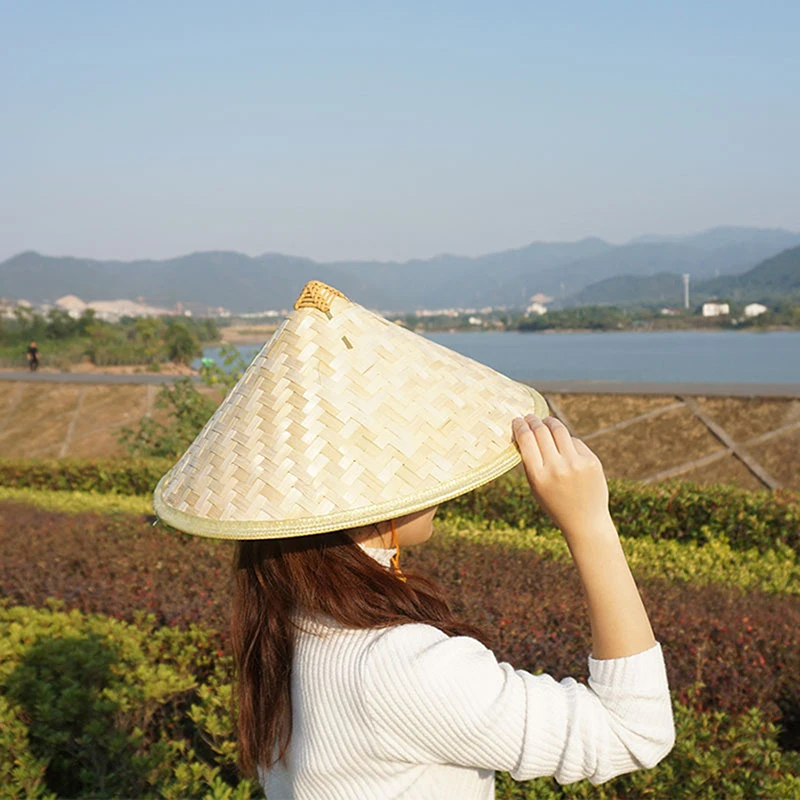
(566, 477)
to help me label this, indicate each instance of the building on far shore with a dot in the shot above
(9, 307)
(537, 304)
(114, 310)
(716, 309)
(109, 310)
(536, 308)
(754, 309)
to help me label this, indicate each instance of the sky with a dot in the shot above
(391, 130)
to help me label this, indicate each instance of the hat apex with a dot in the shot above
(317, 295)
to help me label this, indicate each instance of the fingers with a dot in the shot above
(561, 436)
(542, 442)
(528, 447)
(544, 438)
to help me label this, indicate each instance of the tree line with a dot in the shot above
(64, 339)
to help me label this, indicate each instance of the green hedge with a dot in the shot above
(94, 707)
(76, 502)
(775, 571)
(129, 476)
(715, 756)
(675, 510)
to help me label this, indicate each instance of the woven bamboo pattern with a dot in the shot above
(343, 418)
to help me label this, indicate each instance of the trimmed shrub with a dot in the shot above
(79, 502)
(129, 476)
(775, 571)
(114, 564)
(94, 707)
(743, 648)
(21, 773)
(716, 755)
(679, 511)
(112, 709)
(673, 510)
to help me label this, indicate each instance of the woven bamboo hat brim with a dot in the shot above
(343, 419)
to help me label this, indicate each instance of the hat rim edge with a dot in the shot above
(342, 520)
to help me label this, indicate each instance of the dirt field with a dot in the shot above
(647, 438)
(247, 334)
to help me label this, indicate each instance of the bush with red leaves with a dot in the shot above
(743, 649)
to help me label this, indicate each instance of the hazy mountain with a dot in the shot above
(664, 287)
(774, 278)
(225, 279)
(272, 280)
(653, 259)
(777, 276)
(244, 283)
(447, 280)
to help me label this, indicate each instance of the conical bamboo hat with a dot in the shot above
(343, 419)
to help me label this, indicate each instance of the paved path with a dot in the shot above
(685, 388)
(89, 377)
(565, 387)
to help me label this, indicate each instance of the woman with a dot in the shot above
(355, 680)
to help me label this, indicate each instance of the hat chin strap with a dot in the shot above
(396, 557)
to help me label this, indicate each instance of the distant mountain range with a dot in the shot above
(776, 278)
(590, 270)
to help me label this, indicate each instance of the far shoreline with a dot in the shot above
(252, 341)
(172, 370)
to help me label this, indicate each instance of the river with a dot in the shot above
(662, 356)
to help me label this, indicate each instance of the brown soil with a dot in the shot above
(746, 418)
(38, 423)
(38, 420)
(726, 470)
(247, 334)
(588, 413)
(105, 410)
(654, 445)
(780, 457)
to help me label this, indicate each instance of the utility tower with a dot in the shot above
(686, 290)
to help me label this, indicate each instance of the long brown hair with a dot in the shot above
(326, 573)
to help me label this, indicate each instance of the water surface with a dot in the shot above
(662, 356)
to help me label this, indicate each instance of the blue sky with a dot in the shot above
(391, 130)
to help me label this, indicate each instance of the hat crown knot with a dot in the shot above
(317, 295)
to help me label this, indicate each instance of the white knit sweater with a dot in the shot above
(409, 712)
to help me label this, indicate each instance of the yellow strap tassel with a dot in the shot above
(396, 556)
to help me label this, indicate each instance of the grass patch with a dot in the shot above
(79, 502)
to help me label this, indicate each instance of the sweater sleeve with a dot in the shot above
(432, 698)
